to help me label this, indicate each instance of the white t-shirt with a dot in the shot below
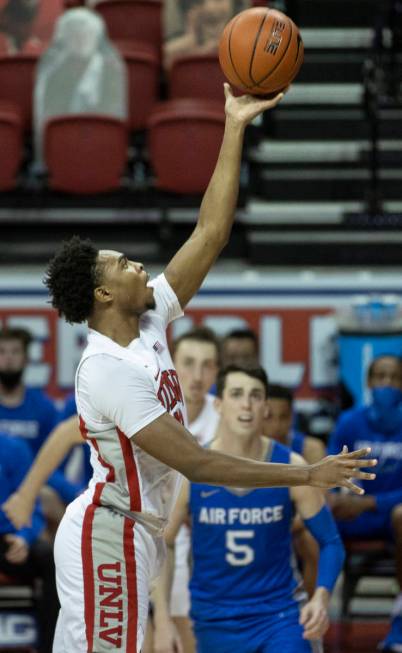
(119, 391)
(205, 425)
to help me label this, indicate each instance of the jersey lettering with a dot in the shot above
(111, 605)
(244, 516)
(239, 554)
(169, 393)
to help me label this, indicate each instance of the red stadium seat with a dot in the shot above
(184, 142)
(143, 81)
(137, 20)
(11, 146)
(17, 76)
(197, 76)
(85, 153)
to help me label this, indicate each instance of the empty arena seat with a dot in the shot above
(17, 75)
(143, 81)
(197, 76)
(139, 20)
(184, 142)
(10, 146)
(85, 153)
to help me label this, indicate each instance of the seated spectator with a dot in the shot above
(23, 553)
(240, 347)
(202, 23)
(81, 72)
(279, 425)
(377, 513)
(27, 25)
(27, 412)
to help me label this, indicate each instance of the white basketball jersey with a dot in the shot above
(119, 391)
(205, 425)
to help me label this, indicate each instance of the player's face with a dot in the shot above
(279, 420)
(126, 281)
(243, 405)
(387, 372)
(12, 355)
(240, 351)
(196, 364)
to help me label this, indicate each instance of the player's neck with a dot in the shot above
(251, 446)
(12, 398)
(194, 408)
(117, 327)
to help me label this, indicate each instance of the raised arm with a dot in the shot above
(63, 438)
(186, 271)
(168, 441)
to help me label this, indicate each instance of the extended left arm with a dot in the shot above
(187, 269)
(319, 521)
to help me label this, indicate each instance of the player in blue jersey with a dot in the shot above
(279, 425)
(246, 594)
(27, 412)
(379, 512)
(23, 553)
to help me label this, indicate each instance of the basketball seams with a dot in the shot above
(282, 57)
(255, 47)
(231, 59)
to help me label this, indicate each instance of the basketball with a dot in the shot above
(261, 51)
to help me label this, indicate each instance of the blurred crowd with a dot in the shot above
(28, 417)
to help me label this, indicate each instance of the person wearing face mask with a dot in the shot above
(27, 412)
(378, 513)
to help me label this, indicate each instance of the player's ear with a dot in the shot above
(266, 409)
(103, 295)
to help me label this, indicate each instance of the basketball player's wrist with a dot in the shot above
(322, 595)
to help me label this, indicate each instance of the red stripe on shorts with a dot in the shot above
(132, 596)
(131, 471)
(88, 574)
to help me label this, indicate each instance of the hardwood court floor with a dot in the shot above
(355, 637)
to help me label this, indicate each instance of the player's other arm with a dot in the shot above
(166, 639)
(187, 269)
(311, 506)
(63, 438)
(168, 441)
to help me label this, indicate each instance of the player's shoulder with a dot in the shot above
(351, 417)
(38, 397)
(167, 306)
(278, 452)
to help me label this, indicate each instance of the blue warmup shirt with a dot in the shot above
(32, 421)
(242, 550)
(355, 430)
(70, 409)
(296, 441)
(15, 461)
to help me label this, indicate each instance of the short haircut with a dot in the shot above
(199, 334)
(371, 369)
(277, 391)
(22, 335)
(71, 277)
(257, 372)
(243, 334)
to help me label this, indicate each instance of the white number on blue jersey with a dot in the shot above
(238, 553)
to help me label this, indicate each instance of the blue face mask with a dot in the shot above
(385, 413)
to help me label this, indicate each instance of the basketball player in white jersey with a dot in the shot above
(110, 541)
(196, 356)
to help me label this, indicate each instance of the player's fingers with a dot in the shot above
(359, 453)
(227, 90)
(366, 476)
(351, 486)
(178, 646)
(269, 104)
(345, 449)
(352, 463)
(304, 614)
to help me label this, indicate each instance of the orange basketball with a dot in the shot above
(261, 51)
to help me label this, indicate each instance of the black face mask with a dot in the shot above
(9, 380)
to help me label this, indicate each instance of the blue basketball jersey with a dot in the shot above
(296, 441)
(243, 562)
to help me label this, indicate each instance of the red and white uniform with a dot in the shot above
(203, 428)
(109, 544)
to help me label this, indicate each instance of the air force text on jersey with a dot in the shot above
(244, 516)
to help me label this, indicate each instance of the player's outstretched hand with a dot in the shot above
(314, 617)
(245, 108)
(18, 509)
(339, 470)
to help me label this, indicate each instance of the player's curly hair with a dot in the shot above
(71, 277)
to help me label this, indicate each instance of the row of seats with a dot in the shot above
(87, 153)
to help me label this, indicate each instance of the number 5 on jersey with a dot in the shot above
(238, 552)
